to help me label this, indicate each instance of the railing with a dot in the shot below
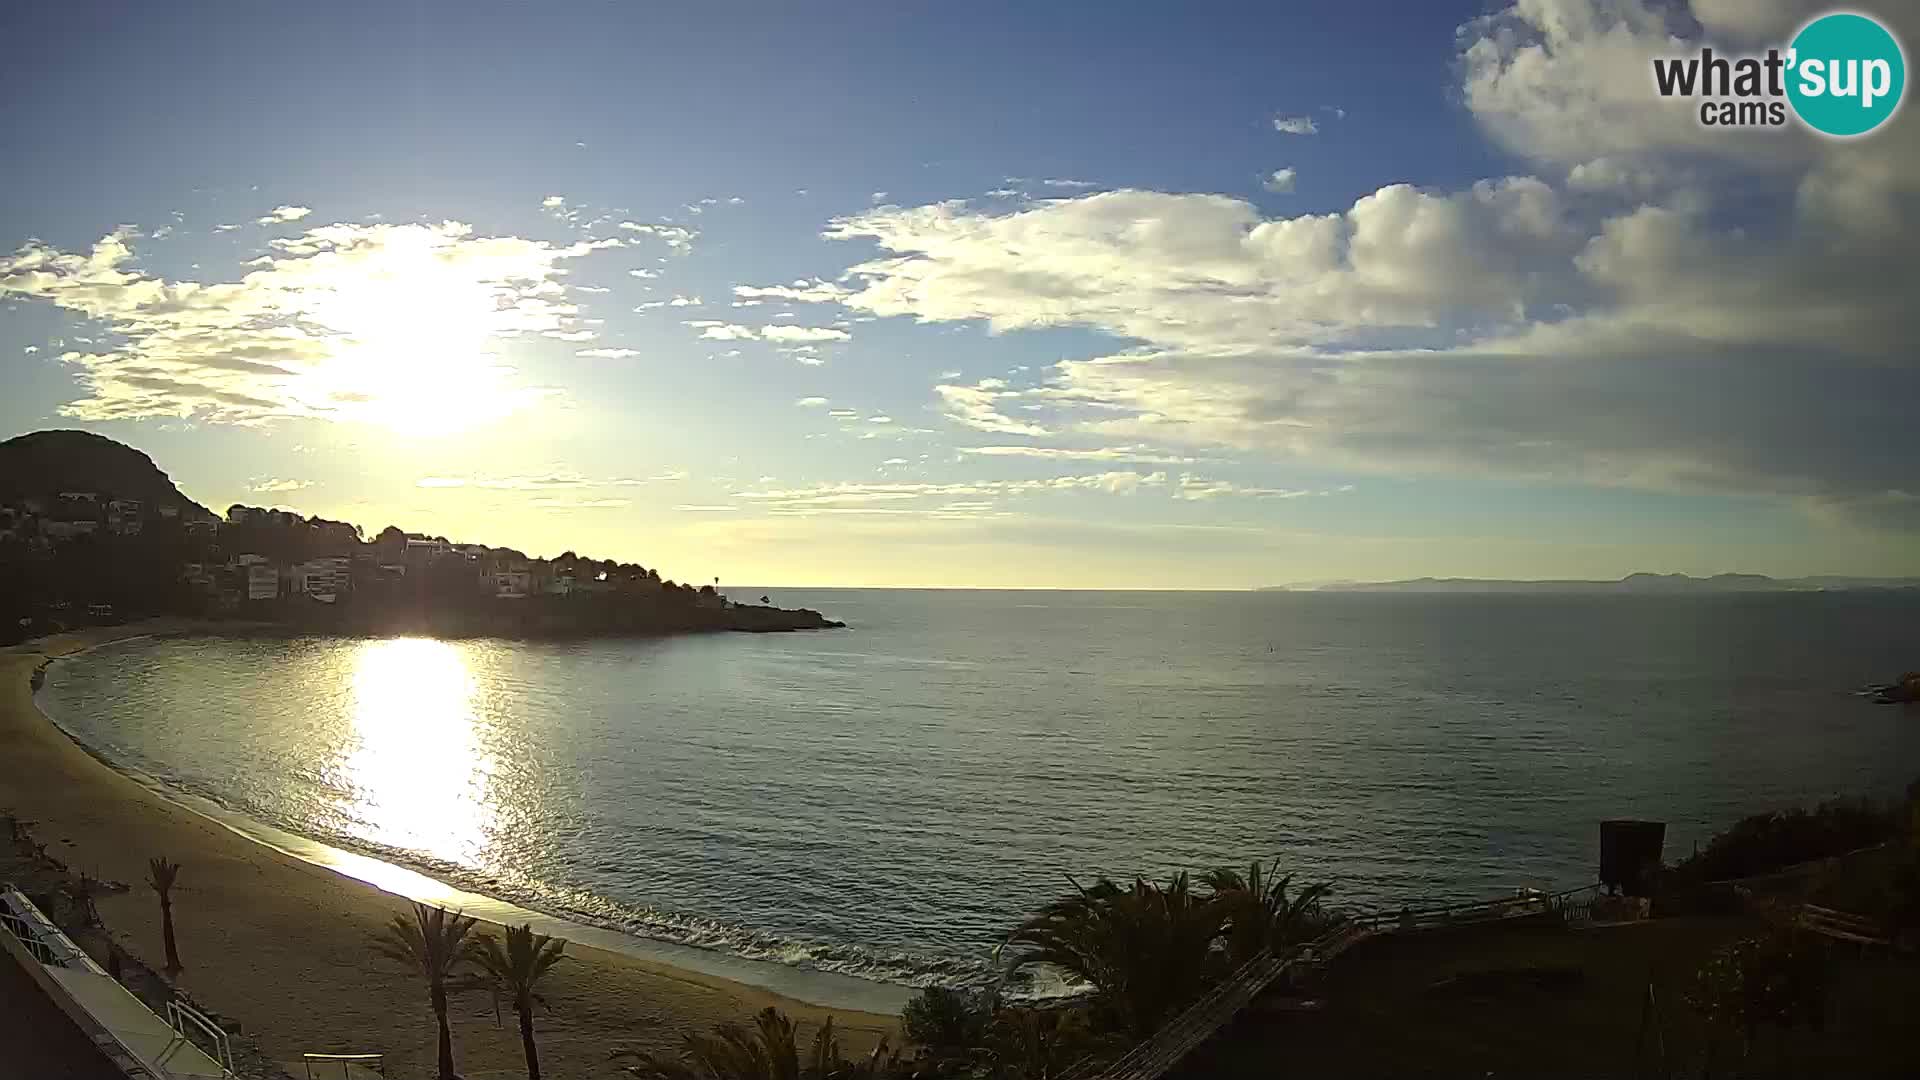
(25, 922)
(1198, 1022)
(181, 1015)
(376, 1063)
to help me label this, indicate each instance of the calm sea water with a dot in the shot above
(887, 801)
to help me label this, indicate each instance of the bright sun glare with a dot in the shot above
(417, 773)
(413, 344)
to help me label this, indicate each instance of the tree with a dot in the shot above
(516, 971)
(946, 1021)
(1146, 950)
(768, 1052)
(160, 878)
(434, 944)
(1260, 914)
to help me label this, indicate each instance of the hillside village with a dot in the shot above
(137, 547)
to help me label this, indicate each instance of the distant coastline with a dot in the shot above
(1640, 583)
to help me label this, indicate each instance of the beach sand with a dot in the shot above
(281, 945)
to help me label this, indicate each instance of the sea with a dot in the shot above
(886, 802)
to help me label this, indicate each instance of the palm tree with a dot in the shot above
(1260, 914)
(160, 878)
(1147, 950)
(434, 944)
(768, 1052)
(516, 970)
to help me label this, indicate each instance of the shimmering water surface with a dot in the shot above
(888, 800)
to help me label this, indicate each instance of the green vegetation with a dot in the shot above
(160, 878)
(516, 972)
(434, 945)
(770, 1051)
(1773, 841)
(1776, 980)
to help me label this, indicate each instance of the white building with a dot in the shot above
(263, 581)
(512, 584)
(324, 578)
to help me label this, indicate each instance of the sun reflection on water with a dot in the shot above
(416, 773)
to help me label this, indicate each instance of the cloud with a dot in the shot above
(608, 354)
(802, 291)
(1072, 184)
(684, 301)
(778, 332)
(1280, 181)
(1137, 455)
(643, 273)
(1195, 488)
(385, 323)
(280, 215)
(678, 238)
(1295, 125)
(1615, 321)
(977, 407)
(811, 402)
(275, 485)
(715, 330)
(848, 494)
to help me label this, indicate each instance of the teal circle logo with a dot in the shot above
(1846, 74)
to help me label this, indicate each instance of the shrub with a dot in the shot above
(1767, 842)
(948, 1021)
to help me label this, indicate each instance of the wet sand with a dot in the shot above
(281, 944)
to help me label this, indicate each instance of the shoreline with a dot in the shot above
(275, 927)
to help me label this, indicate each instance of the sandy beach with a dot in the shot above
(282, 945)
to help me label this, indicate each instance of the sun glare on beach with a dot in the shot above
(417, 772)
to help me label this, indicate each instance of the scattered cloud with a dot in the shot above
(678, 238)
(275, 485)
(1280, 181)
(608, 354)
(811, 402)
(802, 290)
(280, 215)
(1195, 488)
(777, 332)
(1076, 185)
(396, 324)
(1295, 125)
(1134, 455)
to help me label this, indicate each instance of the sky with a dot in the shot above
(974, 295)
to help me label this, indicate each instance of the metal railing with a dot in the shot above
(36, 934)
(181, 1016)
(375, 1063)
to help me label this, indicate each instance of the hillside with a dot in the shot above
(46, 463)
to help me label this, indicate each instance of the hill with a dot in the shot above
(46, 463)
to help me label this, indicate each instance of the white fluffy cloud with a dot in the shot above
(280, 215)
(1280, 181)
(714, 330)
(396, 324)
(1611, 321)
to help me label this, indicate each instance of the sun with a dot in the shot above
(413, 332)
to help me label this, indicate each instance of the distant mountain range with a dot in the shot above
(1632, 583)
